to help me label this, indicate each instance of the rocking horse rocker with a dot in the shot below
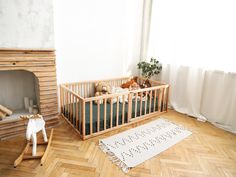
(35, 124)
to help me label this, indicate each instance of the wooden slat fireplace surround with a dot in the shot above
(42, 64)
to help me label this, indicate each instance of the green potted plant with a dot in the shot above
(149, 69)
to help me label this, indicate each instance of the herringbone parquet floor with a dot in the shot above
(208, 152)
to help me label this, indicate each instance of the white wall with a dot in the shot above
(97, 39)
(26, 24)
(94, 39)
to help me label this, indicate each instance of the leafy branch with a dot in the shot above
(149, 69)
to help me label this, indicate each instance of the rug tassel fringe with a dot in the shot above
(113, 158)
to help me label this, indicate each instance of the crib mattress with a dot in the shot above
(114, 115)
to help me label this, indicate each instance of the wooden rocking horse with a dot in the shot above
(35, 124)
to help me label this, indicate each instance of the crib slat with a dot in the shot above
(91, 117)
(167, 98)
(129, 106)
(105, 114)
(136, 104)
(68, 94)
(98, 116)
(163, 101)
(117, 110)
(68, 110)
(155, 97)
(67, 105)
(71, 109)
(77, 112)
(150, 101)
(61, 100)
(131, 96)
(76, 88)
(141, 103)
(145, 107)
(85, 90)
(81, 90)
(80, 115)
(159, 99)
(83, 119)
(111, 113)
(123, 109)
(91, 90)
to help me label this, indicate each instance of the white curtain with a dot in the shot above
(185, 92)
(193, 40)
(219, 99)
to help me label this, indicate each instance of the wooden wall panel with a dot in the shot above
(43, 65)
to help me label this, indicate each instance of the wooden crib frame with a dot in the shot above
(80, 93)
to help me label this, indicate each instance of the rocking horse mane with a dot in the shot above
(27, 117)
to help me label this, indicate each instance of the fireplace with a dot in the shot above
(19, 92)
(27, 75)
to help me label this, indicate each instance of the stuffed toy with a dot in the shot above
(146, 84)
(134, 86)
(102, 88)
(120, 98)
(131, 85)
(127, 84)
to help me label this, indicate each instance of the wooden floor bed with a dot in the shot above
(89, 118)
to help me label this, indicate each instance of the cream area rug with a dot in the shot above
(132, 147)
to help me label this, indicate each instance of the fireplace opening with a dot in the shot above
(19, 92)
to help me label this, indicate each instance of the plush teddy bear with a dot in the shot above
(102, 88)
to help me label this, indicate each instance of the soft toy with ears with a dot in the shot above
(127, 84)
(101, 88)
